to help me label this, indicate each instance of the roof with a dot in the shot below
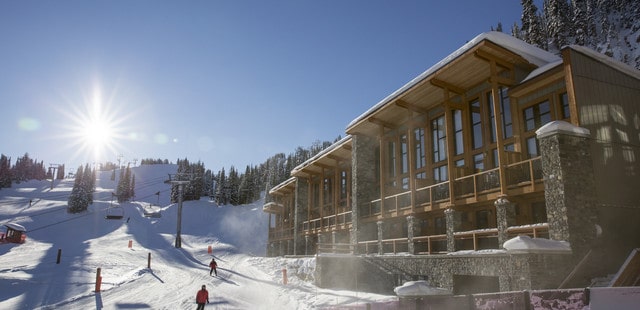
(341, 146)
(530, 53)
(608, 61)
(15, 226)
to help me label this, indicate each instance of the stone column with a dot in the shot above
(569, 184)
(505, 216)
(454, 222)
(281, 248)
(300, 244)
(334, 238)
(411, 233)
(289, 247)
(363, 180)
(380, 237)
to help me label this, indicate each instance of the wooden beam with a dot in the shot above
(382, 123)
(502, 80)
(448, 86)
(336, 157)
(411, 107)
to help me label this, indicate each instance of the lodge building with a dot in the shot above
(500, 139)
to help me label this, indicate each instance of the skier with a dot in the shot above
(202, 297)
(213, 266)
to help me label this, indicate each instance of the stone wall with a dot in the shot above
(381, 274)
(363, 188)
(300, 246)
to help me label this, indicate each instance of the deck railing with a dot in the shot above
(475, 240)
(329, 221)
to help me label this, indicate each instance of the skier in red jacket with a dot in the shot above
(202, 297)
(213, 266)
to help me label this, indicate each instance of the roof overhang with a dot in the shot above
(273, 207)
(336, 155)
(466, 68)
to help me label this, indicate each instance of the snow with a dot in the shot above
(31, 278)
(561, 126)
(419, 288)
(526, 244)
(15, 226)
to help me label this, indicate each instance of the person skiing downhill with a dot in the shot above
(213, 266)
(202, 297)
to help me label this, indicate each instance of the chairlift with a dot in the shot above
(115, 213)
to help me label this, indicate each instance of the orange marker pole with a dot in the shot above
(210, 250)
(98, 281)
(130, 243)
(284, 276)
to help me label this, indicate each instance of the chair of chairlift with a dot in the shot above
(115, 213)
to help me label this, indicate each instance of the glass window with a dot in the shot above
(419, 150)
(505, 105)
(532, 147)
(403, 153)
(476, 124)
(537, 115)
(457, 129)
(492, 117)
(343, 184)
(391, 163)
(478, 162)
(439, 139)
(440, 174)
(564, 103)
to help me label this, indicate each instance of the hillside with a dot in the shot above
(31, 279)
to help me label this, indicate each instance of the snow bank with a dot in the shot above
(419, 288)
(526, 244)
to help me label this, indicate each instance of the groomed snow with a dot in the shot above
(30, 278)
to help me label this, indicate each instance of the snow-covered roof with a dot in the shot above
(526, 244)
(322, 153)
(532, 54)
(541, 70)
(561, 127)
(419, 288)
(15, 226)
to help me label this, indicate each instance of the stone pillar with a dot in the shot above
(505, 216)
(380, 237)
(300, 244)
(454, 222)
(363, 180)
(281, 248)
(289, 247)
(569, 184)
(411, 233)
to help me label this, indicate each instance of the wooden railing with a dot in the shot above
(276, 234)
(339, 219)
(475, 240)
(519, 174)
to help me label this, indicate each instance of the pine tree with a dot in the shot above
(78, 200)
(5, 171)
(558, 26)
(532, 30)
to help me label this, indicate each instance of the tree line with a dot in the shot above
(24, 169)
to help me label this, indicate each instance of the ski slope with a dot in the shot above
(31, 278)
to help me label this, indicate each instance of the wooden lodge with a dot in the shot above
(497, 140)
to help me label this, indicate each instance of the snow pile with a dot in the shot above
(526, 244)
(419, 288)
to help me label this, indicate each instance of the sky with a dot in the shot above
(228, 83)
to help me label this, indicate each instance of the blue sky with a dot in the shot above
(223, 82)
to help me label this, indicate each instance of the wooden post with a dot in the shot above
(284, 276)
(149, 261)
(59, 255)
(130, 243)
(98, 281)
(210, 250)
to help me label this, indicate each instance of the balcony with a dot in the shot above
(337, 221)
(521, 177)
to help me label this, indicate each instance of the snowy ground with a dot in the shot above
(30, 277)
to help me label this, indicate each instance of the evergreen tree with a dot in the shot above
(5, 171)
(532, 31)
(558, 25)
(78, 200)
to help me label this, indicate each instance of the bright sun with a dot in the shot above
(94, 128)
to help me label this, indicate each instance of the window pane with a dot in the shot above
(507, 124)
(564, 103)
(420, 155)
(457, 127)
(476, 124)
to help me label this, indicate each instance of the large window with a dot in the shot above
(419, 148)
(439, 136)
(505, 110)
(564, 103)
(476, 124)
(537, 115)
(457, 132)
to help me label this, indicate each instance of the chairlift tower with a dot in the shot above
(181, 185)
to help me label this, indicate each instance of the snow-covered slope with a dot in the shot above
(30, 278)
